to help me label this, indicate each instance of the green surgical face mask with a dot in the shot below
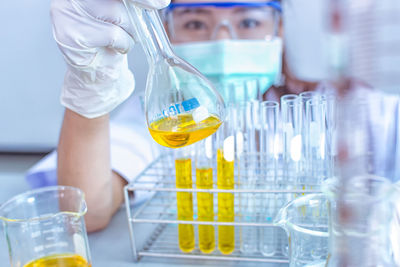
(233, 62)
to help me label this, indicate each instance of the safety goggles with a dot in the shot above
(203, 21)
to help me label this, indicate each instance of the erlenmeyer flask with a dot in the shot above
(182, 106)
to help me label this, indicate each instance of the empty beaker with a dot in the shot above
(363, 221)
(305, 220)
(45, 227)
(181, 105)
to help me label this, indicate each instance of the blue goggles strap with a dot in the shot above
(274, 4)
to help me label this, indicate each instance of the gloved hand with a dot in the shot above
(94, 37)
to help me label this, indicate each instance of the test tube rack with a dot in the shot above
(158, 215)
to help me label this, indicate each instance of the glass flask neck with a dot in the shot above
(150, 32)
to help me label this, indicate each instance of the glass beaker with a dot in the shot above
(305, 220)
(361, 220)
(45, 227)
(182, 106)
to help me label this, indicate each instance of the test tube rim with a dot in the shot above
(269, 104)
(308, 95)
(290, 100)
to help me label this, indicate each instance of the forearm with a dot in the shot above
(84, 162)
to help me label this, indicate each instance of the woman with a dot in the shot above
(101, 159)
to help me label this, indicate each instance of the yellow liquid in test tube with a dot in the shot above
(183, 169)
(59, 260)
(205, 209)
(182, 130)
(226, 213)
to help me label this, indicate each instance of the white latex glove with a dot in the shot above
(94, 37)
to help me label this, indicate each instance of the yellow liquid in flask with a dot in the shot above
(226, 213)
(205, 209)
(184, 201)
(59, 260)
(182, 130)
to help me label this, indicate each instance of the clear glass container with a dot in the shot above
(248, 172)
(317, 152)
(291, 127)
(45, 227)
(227, 143)
(181, 105)
(205, 158)
(305, 220)
(184, 200)
(362, 222)
(268, 166)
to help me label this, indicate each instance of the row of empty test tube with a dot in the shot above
(261, 145)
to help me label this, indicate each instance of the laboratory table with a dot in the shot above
(110, 247)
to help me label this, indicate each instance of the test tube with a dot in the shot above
(290, 116)
(241, 91)
(269, 140)
(305, 164)
(291, 126)
(205, 201)
(184, 200)
(232, 92)
(331, 117)
(227, 91)
(253, 90)
(268, 153)
(248, 172)
(237, 92)
(225, 180)
(316, 125)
